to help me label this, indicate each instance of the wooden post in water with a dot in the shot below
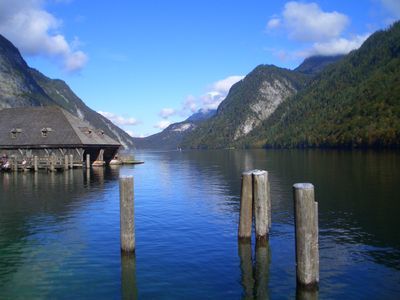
(261, 206)
(65, 162)
(87, 161)
(24, 162)
(246, 206)
(306, 233)
(71, 161)
(51, 163)
(15, 164)
(35, 163)
(127, 222)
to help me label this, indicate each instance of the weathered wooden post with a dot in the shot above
(71, 161)
(306, 233)
(261, 206)
(127, 222)
(88, 161)
(65, 162)
(51, 163)
(15, 164)
(35, 163)
(246, 206)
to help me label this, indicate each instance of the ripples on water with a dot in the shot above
(59, 233)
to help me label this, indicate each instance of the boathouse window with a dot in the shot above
(45, 131)
(86, 130)
(14, 132)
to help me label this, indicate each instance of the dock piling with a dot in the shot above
(88, 161)
(65, 162)
(52, 163)
(15, 164)
(71, 161)
(255, 200)
(246, 206)
(306, 235)
(35, 163)
(127, 222)
(261, 204)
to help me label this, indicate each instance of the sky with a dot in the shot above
(147, 64)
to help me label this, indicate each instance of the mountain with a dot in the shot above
(173, 135)
(22, 86)
(315, 64)
(354, 102)
(248, 103)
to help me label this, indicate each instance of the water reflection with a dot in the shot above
(254, 277)
(263, 260)
(306, 294)
(129, 289)
(246, 268)
(59, 232)
(32, 203)
(356, 190)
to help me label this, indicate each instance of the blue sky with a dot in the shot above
(145, 64)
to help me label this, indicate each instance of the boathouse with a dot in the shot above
(52, 133)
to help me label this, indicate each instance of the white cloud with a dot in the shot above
(223, 86)
(273, 23)
(213, 96)
(167, 112)
(75, 61)
(307, 22)
(190, 105)
(130, 132)
(211, 100)
(217, 92)
(319, 32)
(35, 32)
(392, 7)
(119, 120)
(162, 124)
(338, 46)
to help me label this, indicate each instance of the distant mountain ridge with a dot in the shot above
(172, 136)
(22, 86)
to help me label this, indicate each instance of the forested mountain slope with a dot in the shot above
(354, 102)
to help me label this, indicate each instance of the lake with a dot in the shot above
(59, 232)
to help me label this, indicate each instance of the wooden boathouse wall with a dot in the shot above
(53, 136)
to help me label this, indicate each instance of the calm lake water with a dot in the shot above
(59, 233)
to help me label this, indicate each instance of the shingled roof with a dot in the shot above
(49, 126)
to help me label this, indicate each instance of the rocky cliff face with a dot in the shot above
(22, 86)
(249, 102)
(17, 87)
(270, 95)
